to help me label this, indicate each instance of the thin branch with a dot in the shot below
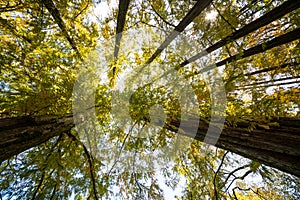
(151, 25)
(270, 85)
(86, 6)
(235, 197)
(44, 168)
(89, 157)
(237, 169)
(39, 185)
(248, 189)
(239, 178)
(163, 19)
(53, 191)
(215, 176)
(272, 68)
(121, 149)
(272, 81)
(192, 14)
(218, 11)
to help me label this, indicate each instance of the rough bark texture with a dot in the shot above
(276, 145)
(22, 133)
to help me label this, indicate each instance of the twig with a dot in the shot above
(237, 169)
(219, 168)
(53, 192)
(223, 17)
(89, 157)
(240, 177)
(119, 154)
(170, 24)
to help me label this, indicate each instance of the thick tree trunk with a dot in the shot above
(276, 145)
(22, 133)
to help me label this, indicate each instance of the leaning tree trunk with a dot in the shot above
(276, 145)
(21, 133)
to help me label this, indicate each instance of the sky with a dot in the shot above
(101, 11)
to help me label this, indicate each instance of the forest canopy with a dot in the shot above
(149, 99)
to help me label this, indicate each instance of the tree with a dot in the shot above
(44, 45)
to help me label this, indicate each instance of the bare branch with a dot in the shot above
(215, 176)
(89, 157)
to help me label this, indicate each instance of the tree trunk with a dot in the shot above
(192, 14)
(122, 11)
(277, 41)
(22, 133)
(269, 17)
(276, 145)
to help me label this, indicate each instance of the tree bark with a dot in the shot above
(22, 133)
(276, 145)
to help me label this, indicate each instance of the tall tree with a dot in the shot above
(255, 46)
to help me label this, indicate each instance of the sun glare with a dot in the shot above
(211, 15)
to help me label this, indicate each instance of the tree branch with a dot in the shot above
(273, 68)
(122, 11)
(223, 17)
(271, 81)
(215, 176)
(89, 158)
(168, 23)
(192, 14)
